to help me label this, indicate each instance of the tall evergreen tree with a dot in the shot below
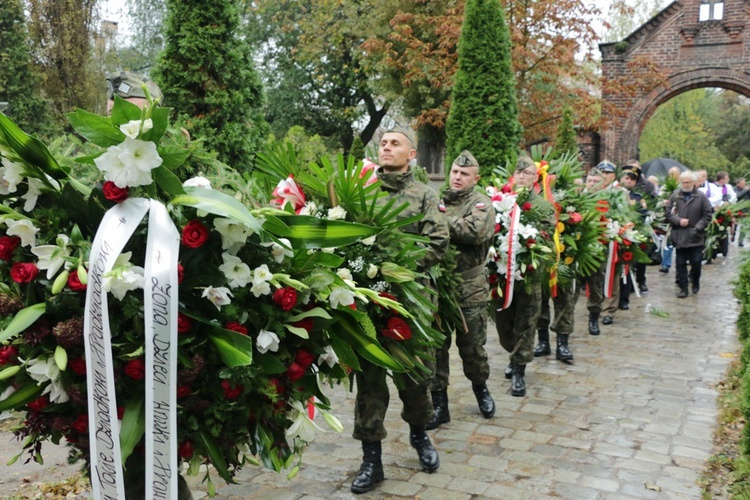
(19, 86)
(566, 140)
(207, 76)
(483, 116)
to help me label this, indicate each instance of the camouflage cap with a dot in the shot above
(524, 162)
(466, 159)
(127, 84)
(408, 133)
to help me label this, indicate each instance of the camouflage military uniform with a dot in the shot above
(472, 225)
(565, 305)
(372, 388)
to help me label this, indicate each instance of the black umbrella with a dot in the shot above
(660, 167)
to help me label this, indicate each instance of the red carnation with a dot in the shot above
(8, 245)
(575, 218)
(114, 193)
(295, 371)
(135, 369)
(74, 283)
(194, 234)
(526, 206)
(183, 391)
(81, 424)
(180, 273)
(285, 298)
(39, 403)
(506, 189)
(236, 327)
(740, 214)
(184, 324)
(185, 450)
(229, 391)
(627, 256)
(397, 329)
(78, 365)
(643, 246)
(8, 354)
(23, 272)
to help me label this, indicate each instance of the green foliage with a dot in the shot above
(483, 116)
(308, 149)
(742, 292)
(358, 149)
(566, 139)
(207, 75)
(19, 85)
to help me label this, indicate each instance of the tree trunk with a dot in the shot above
(431, 149)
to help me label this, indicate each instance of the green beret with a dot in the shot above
(127, 84)
(466, 159)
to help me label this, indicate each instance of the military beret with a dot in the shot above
(408, 133)
(128, 84)
(466, 159)
(524, 162)
(607, 167)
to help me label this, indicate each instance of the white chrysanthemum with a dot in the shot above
(372, 271)
(336, 213)
(267, 341)
(219, 296)
(232, 233)
(198, 181)
(302, 426)
(133, 128)
(52, 257)
(11, 175)
(237, 272)
(310, 208)
(341, 295)
(24, 229)
(123, 279)
(328, 357)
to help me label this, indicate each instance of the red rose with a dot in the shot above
(74, 283)
(23, 272)
(180, 273)
(493, 279)
(306, 323)
(304, 358)
(526, 206)
(81, 424)
(229, 391)
(397, 329)
(120, 412)
(183, 391)
(8, 354)
(740, 214)
(184, 324)
(627, 256)
(530, 242)
(78, 365)
(295, 371)
(285, 298)
(720, 219)
(575, 218)
(8, 245)
(185, 450)
(39, 403)
(236, 327)
(506, 189)
(114, 193)
(135, 369)
(498, 227)
(194, 234)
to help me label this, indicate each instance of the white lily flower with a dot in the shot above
(121, 280)
(46, 370)
(372, 271)
(198, 181)
(262, 274)
(129, 163)
(302, 426)
(341, 295)
(11, 175)
(24, 229)
(329, 357)
(135, 127)
(237, 272)
(262, 288)
(267, 341)
(527, 231)
(231, 232)
(5, 395)
(219, 296)
(369, 241)
(280, 250)
(336, 213)
(52, 257)
(32, 194)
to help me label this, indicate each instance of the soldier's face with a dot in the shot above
(463, 177)
(526, 177)
(395, 151)
(627, 181)
(138, 101)
(594, 183)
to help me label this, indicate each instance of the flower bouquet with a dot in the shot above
(188, 332)
(724, 218)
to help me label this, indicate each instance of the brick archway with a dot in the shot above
(691, 53)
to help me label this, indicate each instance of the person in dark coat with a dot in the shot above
(689, 212)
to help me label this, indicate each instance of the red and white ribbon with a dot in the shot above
(510, 269)
(610, 272)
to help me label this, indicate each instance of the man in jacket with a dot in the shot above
(689, 212)
(395, 151)
(472, 224)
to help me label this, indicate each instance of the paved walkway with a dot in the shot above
(632, 418)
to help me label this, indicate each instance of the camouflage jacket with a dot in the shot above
(471, 219)
(422, 200)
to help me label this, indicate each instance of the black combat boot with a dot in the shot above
(683, 292)
(509, 371)
(484, 400)
(543, 348)
(371, 471)
(563, 353)
(428, 456)
(441, 415)
(518, 384)
(594, 324)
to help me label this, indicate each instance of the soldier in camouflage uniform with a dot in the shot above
(565, 305)
(517, 324)
(395, 150)
(472, 225)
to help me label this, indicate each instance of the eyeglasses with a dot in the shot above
(525, 173)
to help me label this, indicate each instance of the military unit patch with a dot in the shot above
(441, 207)
(481, 205)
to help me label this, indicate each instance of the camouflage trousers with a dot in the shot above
(470, 347)
(373, 397)
(516, 325)
(565, 307)
(597, 303)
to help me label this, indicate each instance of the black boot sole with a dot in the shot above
(432, 425)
